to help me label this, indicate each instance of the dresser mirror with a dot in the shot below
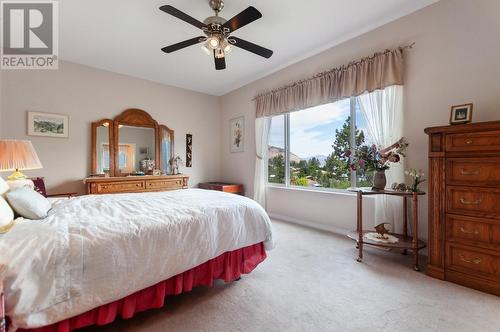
(136, 149)
(166, 149)
(102, 143)
(133, 143)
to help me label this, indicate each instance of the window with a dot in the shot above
(276, 150)
(308, 148)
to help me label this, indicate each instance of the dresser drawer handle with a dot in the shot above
(469, 142)
(474, 261)
(465, 202)
(463, 230)
(464, 172)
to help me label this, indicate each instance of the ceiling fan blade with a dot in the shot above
(245, 17)
(220, 63)
(182, 44)
(251, 47)
(182, 16)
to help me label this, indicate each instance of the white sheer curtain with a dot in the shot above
(383, 111)
(262, 126)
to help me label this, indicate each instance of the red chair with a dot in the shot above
(40, 188)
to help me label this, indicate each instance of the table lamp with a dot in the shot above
(18, 155)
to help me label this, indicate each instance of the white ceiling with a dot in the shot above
(125, 36)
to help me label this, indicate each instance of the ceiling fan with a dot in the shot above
(218, 39)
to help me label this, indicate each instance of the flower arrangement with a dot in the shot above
(237, 135)
(373, 158)
(417, 177)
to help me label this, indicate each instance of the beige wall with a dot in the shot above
(87, 95)
(456, 59)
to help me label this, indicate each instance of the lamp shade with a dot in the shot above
(18, 155)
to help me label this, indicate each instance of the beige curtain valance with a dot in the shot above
(366, 75)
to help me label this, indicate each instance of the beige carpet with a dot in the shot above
(311, 282)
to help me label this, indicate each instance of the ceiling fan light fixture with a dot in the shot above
(206, 48)
(219, 53)
(226, 47)
(213, 42)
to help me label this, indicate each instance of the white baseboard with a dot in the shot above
(311, 224)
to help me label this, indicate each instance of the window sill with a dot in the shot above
(343, 192)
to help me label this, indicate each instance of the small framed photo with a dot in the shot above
(48, 124)
(237, 134)
(461, 114)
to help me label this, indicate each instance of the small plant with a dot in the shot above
(417, 178)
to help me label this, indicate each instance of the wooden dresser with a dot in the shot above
(464, 205)
(135, 184)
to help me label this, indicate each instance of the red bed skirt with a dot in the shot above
(229, 266)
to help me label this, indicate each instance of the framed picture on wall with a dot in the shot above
(461, 114)
(48, 124)
(237, 134)
(189, 150)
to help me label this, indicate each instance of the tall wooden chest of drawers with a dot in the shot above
(464, 205)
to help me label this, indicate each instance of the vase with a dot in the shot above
(379, 180)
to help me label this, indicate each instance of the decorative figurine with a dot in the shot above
(382, 232)
(177, 162)
(400, 187)
(147, 166)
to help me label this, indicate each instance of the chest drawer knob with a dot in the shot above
(474, 232)
(474, 261)
(466, 202)
(469, 142)
(464, 172)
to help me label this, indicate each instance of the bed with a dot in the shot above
(95, 258)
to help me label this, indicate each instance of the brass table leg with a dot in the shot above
(360, 225)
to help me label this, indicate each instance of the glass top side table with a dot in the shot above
(405, 242)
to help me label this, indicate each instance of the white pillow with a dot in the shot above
(28, 203)
(4, 187)
(6, 215)
(15, 184)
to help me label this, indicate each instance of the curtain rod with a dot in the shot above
(343, 67)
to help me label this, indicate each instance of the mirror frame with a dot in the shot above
(96, 125)
(136, 118)
(130, 117)
(171, 133)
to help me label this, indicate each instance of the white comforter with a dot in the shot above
(92, 250)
